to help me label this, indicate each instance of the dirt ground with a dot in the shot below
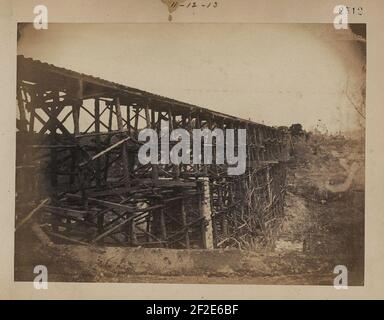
(323, 227)
(325, 203)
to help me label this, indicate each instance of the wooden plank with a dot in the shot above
(110, 148)
(111, 230)
(31, 214)
(77, 213)
(108, 204)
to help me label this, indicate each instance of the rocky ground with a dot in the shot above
(323, 227)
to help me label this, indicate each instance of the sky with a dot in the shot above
(277, 74)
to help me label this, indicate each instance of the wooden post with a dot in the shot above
(175, 167)
(132, 232)
(224, 222)
(152, 122)
(82, 174)
(76, 152)
(206, 212)
(32, 118)
(23, 118)
(76, 116)
(100, 217)
(110, 118)
(184, 220)
(124, 147)
(137, 115)
(130, 229)
(163, 228)
(98, 141)
(31, 184)
(268, 176)
(129, 119)
(54, 136)
(148, 225)
(100, 223)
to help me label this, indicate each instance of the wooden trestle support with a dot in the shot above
(77, 143)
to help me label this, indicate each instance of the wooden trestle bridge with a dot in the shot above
(77, 145)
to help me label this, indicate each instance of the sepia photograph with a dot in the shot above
(191, 153)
